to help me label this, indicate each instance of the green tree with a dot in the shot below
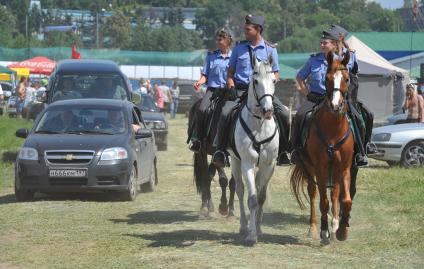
(117, 28)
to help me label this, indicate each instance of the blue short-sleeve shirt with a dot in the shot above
(215, 69)
(316, 69)
(240, 59)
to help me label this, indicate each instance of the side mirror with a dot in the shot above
(143, 133)
(22, 133)
(135, 98)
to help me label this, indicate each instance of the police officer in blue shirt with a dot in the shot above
(316, 69)
(214, 74)
(356, 106)
(239, 74)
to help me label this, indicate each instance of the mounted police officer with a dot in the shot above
(316, 69)
(239, 74)
(214, 74)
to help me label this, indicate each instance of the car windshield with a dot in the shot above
(89, 86)
(82, 120)
(147, 104)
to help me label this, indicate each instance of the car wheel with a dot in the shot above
(131, 193)
(22, 195)
(153, 181)
(413, 154)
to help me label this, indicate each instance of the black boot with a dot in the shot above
(361, 160)
(282, 159)
(195, 146)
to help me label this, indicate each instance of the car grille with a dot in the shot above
(78, 181)
(69, 156)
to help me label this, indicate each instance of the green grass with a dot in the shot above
(163, 229)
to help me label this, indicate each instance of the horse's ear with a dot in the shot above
(346, 59)
(270, 60)
(329, 59)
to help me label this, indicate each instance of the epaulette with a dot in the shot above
(269, 44)
(211, 52)
(315, 54)
(352, 50)
(241, 42)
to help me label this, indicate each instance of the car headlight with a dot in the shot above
(114, 154)
(381, 137)
(156, 124)
(28, 154)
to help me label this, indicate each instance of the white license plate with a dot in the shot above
(68, 172)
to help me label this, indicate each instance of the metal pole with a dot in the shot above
(97, 29)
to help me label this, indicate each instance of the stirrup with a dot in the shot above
(219, 159)
(283, 160)
(371, 148)
(295, 156)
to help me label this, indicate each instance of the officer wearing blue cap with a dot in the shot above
(239, 74)
(214, 74)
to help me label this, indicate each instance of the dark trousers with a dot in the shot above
(281, 113)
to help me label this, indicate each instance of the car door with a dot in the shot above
(143, 152)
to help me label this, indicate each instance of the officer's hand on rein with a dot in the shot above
(231, 94)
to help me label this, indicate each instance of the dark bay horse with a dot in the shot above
(329, 153)
(204, 171)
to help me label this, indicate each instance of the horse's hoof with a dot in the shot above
(313, 233)
(250, 240)
(204, 211)
(341, 234)
(333, 236)
(223, 209)
(325, 237)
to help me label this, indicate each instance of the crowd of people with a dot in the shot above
(166, 98)
(26, 92)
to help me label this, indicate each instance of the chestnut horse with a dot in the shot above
(329, 153)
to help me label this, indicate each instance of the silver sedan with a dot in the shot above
(400, 144)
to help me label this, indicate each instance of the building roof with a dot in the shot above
(392, 41)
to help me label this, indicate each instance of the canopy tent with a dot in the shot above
(36, 65)
(381, 84)
(7, 74)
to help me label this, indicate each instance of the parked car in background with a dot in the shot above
(397, 118)
(76, 79)
(86, 145)
(154, 120)
(400, 144)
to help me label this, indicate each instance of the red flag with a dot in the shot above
(75, 53)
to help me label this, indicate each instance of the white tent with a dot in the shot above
(381, 84)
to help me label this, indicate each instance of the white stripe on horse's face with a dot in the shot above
(336, 93)
(265, 85)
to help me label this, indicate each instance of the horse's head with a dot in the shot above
(262, 86)
(337, 81)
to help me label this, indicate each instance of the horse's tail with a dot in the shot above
(299, 176)
(201, 171)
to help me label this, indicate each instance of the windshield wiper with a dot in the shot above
(80, 132)
(47, 132)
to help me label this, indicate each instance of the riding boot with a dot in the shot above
(295, 156)
(360, 158)
(219, 157)
(282, 158)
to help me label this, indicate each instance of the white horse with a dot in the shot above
(256, 140)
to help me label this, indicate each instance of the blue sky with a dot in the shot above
(392, 4)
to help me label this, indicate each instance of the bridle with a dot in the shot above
(343, 94)
(257, 98)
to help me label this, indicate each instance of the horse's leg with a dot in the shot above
(346, 206)
(232, 192)
(202, 179)
(324, 208)
(262, 179)
(247, 169)
(223, 182)
(312, 192)
(236, 174)
(335, 208)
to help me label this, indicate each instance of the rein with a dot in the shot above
(256, 144)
